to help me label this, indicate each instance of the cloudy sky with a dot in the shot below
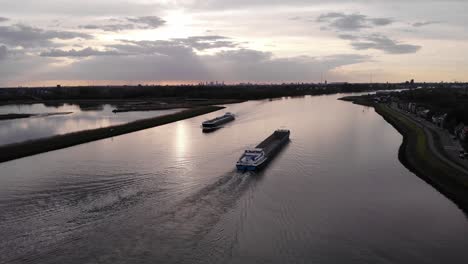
(186, 41)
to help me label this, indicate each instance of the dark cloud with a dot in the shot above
(169, 60)
(153, 66)
(17, 66)
(174, 47)
(3, 19)
(245, 56)
(381, 21)
(351, 22)
(207, 42)
(356, 22)
(383, 43)
(149, 21)
(258, 66)
(3, 52)
(348, 37)
(425, 23)
(177, 60)
(26, 36)
(110, 27)
(157, 47)
(129, 23)
(87, 52)
(172, 60)
(90, 26)
(295, 18)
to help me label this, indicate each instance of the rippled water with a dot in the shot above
(96, 116)
(335, 194)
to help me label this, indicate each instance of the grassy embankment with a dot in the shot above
(360, 100)
(22, 116)
(32, 147)
(174, 104)
(14, 116)
(416, 154)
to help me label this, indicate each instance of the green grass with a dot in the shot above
(418, 152)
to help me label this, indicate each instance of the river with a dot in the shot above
(82, 117)
(335, 194)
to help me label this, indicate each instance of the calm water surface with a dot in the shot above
(17, 130)
(336, 194)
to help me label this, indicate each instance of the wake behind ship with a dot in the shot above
(254, 159)
(214, 124)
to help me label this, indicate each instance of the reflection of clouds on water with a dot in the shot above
(37, 108)
(19, 130)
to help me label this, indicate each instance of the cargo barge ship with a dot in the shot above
(214, 124)
(257, 158)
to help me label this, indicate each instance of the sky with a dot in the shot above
(100, 42)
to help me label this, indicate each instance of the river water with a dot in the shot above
(81, 118)
(335, 194)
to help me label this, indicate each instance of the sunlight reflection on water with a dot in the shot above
(17, 130)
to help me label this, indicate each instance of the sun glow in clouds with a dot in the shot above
(240, 41)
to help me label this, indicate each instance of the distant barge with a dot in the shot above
(213, 124)
(257, 158)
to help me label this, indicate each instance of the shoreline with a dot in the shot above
(418, 156)
(24, 116)
(38, 146)
(132, 104)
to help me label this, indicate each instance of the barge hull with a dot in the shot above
(273, 143)
(247, 168)
(270, 147)
(214, 124)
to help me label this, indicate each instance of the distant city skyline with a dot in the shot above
(44, 43)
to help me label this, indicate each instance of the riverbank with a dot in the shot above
(33, 147)
(420, 154)
(172, 104)
(359, 100)
(14, 116)
(130, 105)
(21, 116)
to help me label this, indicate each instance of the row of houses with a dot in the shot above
(437, 118)
(461, 131)
(383, 97)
